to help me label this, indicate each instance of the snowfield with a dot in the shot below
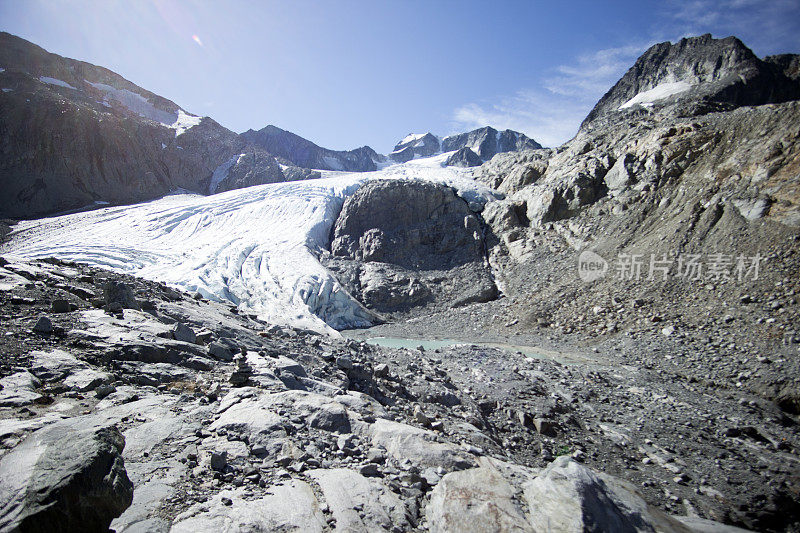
(659, 92)
(255, 247)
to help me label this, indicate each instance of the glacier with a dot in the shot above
(255, 247)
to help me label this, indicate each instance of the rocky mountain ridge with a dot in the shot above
(303, 153)
(707, 74)
(473, 147)
(78, 136)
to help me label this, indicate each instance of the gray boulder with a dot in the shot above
(409, 223)
(118, 296)
(182, 332)
(566, 496)
(478, 499)
(68, 476)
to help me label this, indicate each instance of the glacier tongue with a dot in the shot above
(253, 247)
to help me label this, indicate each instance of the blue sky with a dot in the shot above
(348, 73)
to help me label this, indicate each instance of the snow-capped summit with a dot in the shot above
(697, 75)
(416, 145)
(487, 142)
(483, 143)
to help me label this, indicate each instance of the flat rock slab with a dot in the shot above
(19, 390)
(418, 446)
(55, 365)
(69, 476)
(289, 507)
(359, 503)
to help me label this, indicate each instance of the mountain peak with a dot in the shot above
(696, 70)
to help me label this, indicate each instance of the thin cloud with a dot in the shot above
(552, 112)
(768, 26)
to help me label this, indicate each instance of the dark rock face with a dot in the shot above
(464, 157)
(304, 153)
(415, 146)
(253, 167)
(718, 74)
(487, 142)
(65, 477)
(75, 134)
(406, 243)
(789, 64)
(408, 223)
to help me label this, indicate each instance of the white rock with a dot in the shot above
(290, 507)
(345, 489)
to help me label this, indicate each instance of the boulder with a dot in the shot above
(118, 296)
(43, 325)
(567, 496)
(182, 332)
(19, 389)
(68, 476)
(418, 446)
(478, 499)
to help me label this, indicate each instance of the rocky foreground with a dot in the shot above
(128, 404)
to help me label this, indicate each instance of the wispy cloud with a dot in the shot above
(552, 112)
(768, 26)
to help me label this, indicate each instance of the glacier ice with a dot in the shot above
(255, 247)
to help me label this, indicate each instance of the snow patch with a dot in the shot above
(221, 174)
(333, 163)
(659, 92)
(55, 81)
(136, 103)
(412, 137)
(184, 122)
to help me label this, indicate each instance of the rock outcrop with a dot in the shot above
(68, 476)
(400, 243)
